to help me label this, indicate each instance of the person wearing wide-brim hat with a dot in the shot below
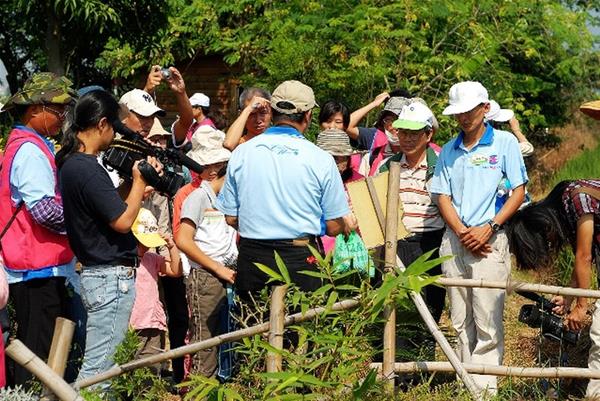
(591, 109)
(337, 143)
(34, 249)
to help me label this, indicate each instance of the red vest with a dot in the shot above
(28, 245)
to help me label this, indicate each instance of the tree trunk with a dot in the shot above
(53, 39)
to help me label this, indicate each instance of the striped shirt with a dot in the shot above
(576, 205)
(421, 214)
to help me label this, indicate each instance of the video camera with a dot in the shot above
(124, 152)
(541, 316)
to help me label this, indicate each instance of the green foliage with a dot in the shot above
(328, 357)
(584, 165)
(137, 385)
(535, 56)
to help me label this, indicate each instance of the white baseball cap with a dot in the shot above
(465, 96)
(414, 116)
(200, 99)
(498, 114)
(141, 103)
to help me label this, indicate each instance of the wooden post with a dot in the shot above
(24, 357)
(391, 245)
(276, 326)
(59, 350)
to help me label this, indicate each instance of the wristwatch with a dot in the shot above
(495, 226)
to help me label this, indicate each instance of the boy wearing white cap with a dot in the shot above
(466, 179)
(210, 245)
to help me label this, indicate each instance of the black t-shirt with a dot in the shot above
(90, 203)
(364, 139)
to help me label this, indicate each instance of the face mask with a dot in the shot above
(392, 138)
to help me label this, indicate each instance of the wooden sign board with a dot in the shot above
(364, 209)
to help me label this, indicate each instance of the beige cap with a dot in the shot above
(157, 129)
(207, 146)
(300, 96)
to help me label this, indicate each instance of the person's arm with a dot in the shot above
(474, 238)
(236, 130)
(184, 107)
(515, 128)
(125, 220)
(185, 242)
(341, 225)
(582, 272)
(171, 267)
(449, 214)
(232, 221)
(359, 114)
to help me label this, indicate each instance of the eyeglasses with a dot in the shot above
(60, 114)
(411, 134)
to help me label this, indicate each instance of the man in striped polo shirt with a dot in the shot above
(414, 128)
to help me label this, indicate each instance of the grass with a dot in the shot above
(583, 166)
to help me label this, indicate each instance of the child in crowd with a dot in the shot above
(210, 245)
(148, 315)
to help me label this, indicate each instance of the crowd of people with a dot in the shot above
(110, 252)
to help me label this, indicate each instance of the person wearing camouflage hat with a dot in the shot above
(34, 247)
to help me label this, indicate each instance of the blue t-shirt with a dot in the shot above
(471, 177)
(280, 185)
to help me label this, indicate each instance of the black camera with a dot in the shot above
(540, 316)
(125, 151)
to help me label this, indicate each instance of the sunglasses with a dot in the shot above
(60, 114)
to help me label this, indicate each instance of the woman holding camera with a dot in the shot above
(98, 224)
(569, 215)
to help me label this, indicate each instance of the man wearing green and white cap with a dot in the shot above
(415, 129)
(466, 180)
(301, 193)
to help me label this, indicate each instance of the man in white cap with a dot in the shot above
(466, 179)
(414, 129)
(142, 111)
(300, 188)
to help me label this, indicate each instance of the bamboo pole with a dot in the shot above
(514, 371)
(391, 245)
(59, 350)
(212, 342)
(510, 286)
(276, 326)
(24, 357)
(61, 345)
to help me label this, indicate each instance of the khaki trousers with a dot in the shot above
(593, 388)
(476, 313)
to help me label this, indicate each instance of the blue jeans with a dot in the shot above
(108, 293)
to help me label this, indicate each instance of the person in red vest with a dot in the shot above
(35, 251)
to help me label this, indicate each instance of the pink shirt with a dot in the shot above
(148, 311)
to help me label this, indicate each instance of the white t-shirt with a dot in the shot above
(213, 235)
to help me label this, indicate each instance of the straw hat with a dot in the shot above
(336, 142)
(592, 109)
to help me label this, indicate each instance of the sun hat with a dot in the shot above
(43, 88)
(145, 229)
(200, 99)
(207, 146)
(465, 96)
(396, 104)
(157, 129)
(300, 96)
(141, 102)
(591, 109)
(415, 116)
(498, 114)
(336, 142)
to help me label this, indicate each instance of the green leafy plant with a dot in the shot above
(329, 357)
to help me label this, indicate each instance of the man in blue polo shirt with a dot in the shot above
(278, 190)
(466, 179)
